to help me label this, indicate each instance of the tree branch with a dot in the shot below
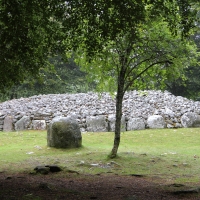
(155, 63)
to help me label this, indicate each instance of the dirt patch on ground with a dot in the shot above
(72, 186)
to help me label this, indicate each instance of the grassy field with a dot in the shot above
(170, 154)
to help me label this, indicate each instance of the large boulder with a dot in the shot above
(156, 121)
(96, 123)
(38, 125)
(190, 119)
(135, 124)
(64, 132)
(23, 123)
(111, 123)
(8, 124)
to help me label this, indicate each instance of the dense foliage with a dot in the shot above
(189, 86)
(33, 31)
(59, 77)
(151, 61)
(28, 35)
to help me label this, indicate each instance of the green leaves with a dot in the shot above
(30, 31)
(27, 37)
(148, 61)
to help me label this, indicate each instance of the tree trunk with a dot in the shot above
(119, 99)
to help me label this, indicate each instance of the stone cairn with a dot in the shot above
(96, 112)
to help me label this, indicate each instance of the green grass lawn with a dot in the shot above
(170, 154)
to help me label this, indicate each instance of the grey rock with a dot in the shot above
(135, 124)
(136, 104)
(42, 169)
(111, 123)
(156, 121)
(96, 124)
(38, 124)
(169, 112)
(64, 132)
(2, 118)
(190, 120)
(2, 113)
(23, 123)
(170, 126)
(8, 124)
(178, 125)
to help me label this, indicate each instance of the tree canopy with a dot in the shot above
(150, 60)
(132, 44)
(96, 22)
(30, 31)
(189, 86)
(28, 34)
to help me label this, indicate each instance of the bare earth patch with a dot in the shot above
(72, 186)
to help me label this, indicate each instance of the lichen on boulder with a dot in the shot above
(64, 132)
(190, 119)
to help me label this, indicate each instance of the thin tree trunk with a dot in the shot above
(119, 99)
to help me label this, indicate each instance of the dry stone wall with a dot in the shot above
(95, 112)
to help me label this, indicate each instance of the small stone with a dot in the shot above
(94, 165)
(188, 191)
(176, 185)
(185, 164)
(82, 162)
(42, 169)
(54, 168)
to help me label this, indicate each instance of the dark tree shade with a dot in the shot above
(28, 34)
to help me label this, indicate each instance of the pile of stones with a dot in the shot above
(96, 112)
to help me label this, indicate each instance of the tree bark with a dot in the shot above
(119, 100)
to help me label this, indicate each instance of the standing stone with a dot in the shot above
(135, 124)
(156, 121)
(96, 124)
(8, 124)
(190, 119)
(64, 132)
(23, 123)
